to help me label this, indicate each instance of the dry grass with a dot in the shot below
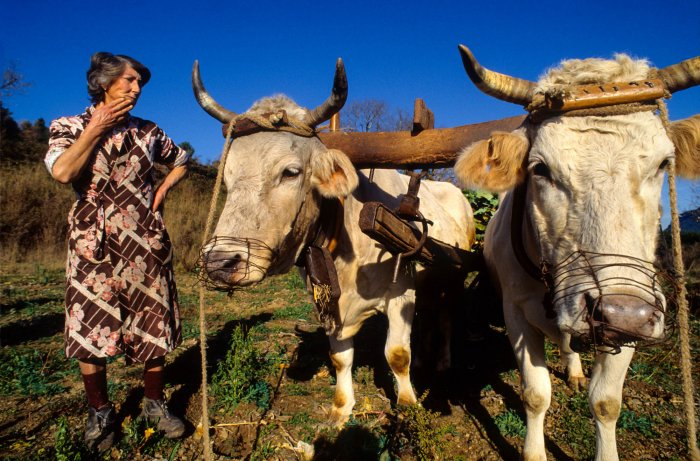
(34, 210)
(33, 224)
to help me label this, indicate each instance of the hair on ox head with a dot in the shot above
(333, 174)
(276, 102)
(685, 135)
(622, 68)
(495, 164)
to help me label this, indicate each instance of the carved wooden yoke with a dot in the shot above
(422, 147)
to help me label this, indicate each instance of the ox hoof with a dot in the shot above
(407, 399)
(339, 417)
(577, 383)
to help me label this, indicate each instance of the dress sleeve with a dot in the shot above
(61, 137)
(169, 153)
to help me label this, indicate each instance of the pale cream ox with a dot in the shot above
(590, 184)
(276, 182)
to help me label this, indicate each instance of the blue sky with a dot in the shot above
(393, 51)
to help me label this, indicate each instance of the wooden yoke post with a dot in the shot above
(334, 122)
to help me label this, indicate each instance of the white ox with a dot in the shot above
(276, 182)
(591, 213)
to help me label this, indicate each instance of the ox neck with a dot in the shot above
(520, 229)
(327, 226)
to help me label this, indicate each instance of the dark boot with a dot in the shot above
(156, 411)
(99, 430)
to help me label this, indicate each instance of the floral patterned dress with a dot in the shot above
(120, 295)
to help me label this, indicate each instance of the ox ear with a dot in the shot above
(685, 135)
(333, 174)
(495, 164)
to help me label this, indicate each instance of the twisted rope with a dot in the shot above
(276, 121)
(202, 317)
(679, 280)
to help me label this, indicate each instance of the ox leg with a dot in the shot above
(536, 388)
(605, 399)
(398, 347)
(572, 361)
(342, 353)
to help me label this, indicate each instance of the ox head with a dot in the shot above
(275, 181)
(593, 191)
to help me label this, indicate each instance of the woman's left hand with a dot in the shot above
(175, 175)
(159, 197)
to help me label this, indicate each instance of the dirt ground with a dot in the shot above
(471, 412)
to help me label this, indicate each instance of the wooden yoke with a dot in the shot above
(423, 147)
(429, 148)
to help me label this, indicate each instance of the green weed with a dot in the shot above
(293, 281)
(363, 375)
(30, 373)
(510, 424)
(240, 376)
(576, 424)
(296, 389)
(631, 421)
(295, 311)
(264, 448)
(67, 445)
(642, 371)
(141, 438)
(305, 425)
(417, 429)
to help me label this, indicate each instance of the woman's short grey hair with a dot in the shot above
(105, 68)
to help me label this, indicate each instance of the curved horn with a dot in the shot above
(499, 86)
(208, 103)
(682, 75)
(334, 102)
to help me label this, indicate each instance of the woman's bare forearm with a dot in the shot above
(71, 163)
(173, 177)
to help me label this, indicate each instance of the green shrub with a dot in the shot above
(510, 424)
(417, 428)
(240, 376)
(484, 205)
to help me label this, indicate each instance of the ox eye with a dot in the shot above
(291, 172)
(664, 165)
(541, 170)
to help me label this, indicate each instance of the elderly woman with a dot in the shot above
(121, 296)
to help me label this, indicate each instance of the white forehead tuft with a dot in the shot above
(278, 102)
(622, 68)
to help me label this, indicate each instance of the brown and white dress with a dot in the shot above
(120, 295)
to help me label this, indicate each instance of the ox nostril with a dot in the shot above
(231, 263)
(593, 307)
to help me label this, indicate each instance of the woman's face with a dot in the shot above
(127, 85)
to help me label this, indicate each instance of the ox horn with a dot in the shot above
(334, 102)
(682, 75)
(499, 86)
(208, 103)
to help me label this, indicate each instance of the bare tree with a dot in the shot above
(12, 82)
(374, 115)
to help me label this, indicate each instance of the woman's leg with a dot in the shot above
(94, 373)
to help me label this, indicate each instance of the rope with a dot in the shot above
(202, 319)
(277, 121)
(679, 280)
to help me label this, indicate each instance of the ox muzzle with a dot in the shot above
(227, 263)
(614, 300)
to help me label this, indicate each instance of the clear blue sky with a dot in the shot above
(393, 51)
